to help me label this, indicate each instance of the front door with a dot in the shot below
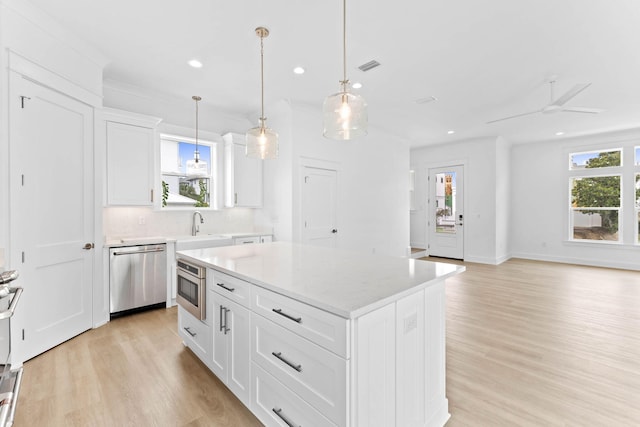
(51, 215)
(319, 192)
(445, 221)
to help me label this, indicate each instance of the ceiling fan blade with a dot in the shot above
(583, 110)
(570, 94)
(513, 117)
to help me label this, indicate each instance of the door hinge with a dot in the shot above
(152, 195)
(305, 224)
(22, 98)
(23, 180)
(23, 257)
(23, 335)
(306, 179)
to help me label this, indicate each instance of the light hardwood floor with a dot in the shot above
(528, 344)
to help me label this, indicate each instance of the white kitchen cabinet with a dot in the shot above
(231, 343)
(266, 239)
(243, 175)
(315, 363)
(195, 334)
(246, 240)
(131, 157)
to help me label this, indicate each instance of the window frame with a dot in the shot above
(215, 178)
(628, 227)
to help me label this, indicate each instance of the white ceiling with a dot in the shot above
(483, 60)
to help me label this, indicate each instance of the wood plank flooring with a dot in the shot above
(528, 344)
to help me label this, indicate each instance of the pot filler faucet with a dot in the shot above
(194, 227)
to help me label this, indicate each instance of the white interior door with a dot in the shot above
(445, 223)
(51, 213)
(319, 203)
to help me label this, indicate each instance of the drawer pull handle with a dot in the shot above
(225, 288)
(293, 365)
(288, 422)
(288, 316)
(193, 334)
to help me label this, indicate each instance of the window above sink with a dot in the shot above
(187, 184)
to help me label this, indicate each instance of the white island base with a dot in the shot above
(320, 337)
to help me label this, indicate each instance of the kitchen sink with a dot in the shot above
(202, 241)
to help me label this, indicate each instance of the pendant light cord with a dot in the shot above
(344, 45)
(262, 119)
(197, 153)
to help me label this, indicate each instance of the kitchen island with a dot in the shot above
(305, 335)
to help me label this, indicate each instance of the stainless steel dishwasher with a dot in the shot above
(137, 278)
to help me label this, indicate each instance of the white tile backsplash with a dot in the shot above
(132, 222)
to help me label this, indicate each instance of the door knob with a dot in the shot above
(334, 231)
(87, 246)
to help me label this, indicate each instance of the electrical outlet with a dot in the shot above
(410, 323)
(142, 220)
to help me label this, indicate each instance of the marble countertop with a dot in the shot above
(341, 282)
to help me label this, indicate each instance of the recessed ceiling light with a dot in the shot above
(298, 70)
(356, 85)
(451, 132)
(559, 133)
(195, 63)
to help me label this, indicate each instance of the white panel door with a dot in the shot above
(51, 213)
(319, 206)
(445, 216)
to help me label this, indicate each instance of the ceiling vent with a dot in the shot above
(369, 65)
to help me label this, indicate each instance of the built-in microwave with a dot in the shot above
(191, 288)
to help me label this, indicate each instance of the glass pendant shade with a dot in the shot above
(345, 116)
(262, 143)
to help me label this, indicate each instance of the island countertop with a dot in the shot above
(341, 282)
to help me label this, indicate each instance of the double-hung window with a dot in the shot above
(602, 207)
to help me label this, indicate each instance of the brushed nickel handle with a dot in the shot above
(193, 334)
(226, 321)
(225, 288)
(288, 316)
(221, 324)
(291, 364)
(88, 246)
(288, 422)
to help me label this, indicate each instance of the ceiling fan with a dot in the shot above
(558, 104)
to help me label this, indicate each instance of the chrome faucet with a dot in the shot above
(195, 228)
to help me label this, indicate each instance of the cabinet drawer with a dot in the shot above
(269, 397)
(195, 334)
(325, 329)
(235, 289)
(315, 374)
(246, 240)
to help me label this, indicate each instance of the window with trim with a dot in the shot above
(595, 195)
(188, 175)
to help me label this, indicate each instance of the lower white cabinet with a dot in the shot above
(277, 406)
(294, 364)
(195, 334)
(246, 240)
(231, 345)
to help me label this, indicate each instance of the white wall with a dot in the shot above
(277, 212)
(483, 160)
(539, 205)
(373, 199)
(503, 200)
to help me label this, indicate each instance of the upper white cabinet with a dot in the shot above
(243, 175)
(132, 143)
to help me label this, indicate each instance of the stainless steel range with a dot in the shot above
(10, 379)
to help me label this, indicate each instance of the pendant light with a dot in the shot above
(262, 142)
(195, 166)
(345, 114)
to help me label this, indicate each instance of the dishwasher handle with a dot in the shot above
(146, 251)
